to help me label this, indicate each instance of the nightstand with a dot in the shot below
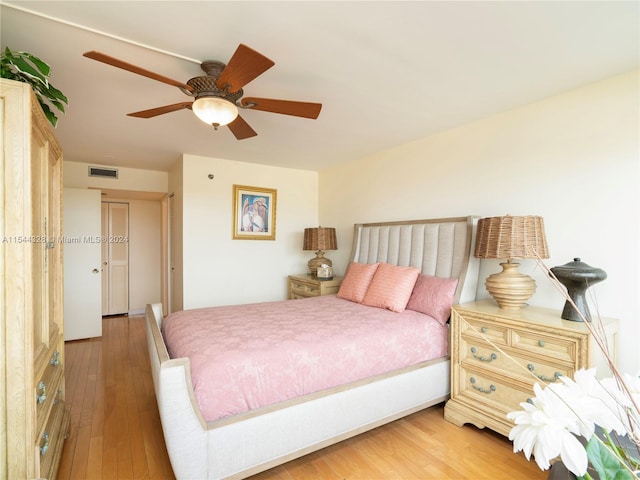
(486, 384)
(303, 286)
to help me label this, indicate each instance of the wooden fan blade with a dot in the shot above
(285, 107)
(245, 65)
(241, 129)
(154, 112)
(101, 57)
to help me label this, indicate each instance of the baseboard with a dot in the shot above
(136, 311)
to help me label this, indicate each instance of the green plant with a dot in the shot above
(27, 68)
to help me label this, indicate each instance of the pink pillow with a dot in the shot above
(391, 287)
(356, 281)
(433, 296)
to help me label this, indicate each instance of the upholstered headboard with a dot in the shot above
(440, 247)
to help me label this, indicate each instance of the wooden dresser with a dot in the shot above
(32, 403)
(303, 286)
(497, 355)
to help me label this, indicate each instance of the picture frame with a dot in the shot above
(254, 213)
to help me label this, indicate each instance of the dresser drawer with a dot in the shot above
(297, 296)
(475, 328)
(304, 286)
(50, 441)
(513, 363)
(492, 392)
(303, 289)
(553, 347)
(48, 388)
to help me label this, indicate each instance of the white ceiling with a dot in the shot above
(386, 73)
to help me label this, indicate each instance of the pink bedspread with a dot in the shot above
(248, 356)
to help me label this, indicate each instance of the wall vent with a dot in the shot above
(103, 172)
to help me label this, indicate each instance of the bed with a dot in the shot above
(241, 442)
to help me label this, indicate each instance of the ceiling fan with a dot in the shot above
(218, 94)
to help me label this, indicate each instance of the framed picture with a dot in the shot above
(254, 213)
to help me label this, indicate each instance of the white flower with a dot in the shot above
(544, 428)
(548, 424)
(621, 404)
(593, 402)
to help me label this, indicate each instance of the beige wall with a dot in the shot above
(572, 158)
(218, 270)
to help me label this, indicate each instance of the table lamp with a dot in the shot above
(319, 239)
(509, 238)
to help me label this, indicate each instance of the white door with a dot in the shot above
(82, 281)
(115, 258)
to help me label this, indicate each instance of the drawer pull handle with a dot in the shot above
(43, 396)
(45, 447)
(541, 343)
(483, 329)
(492, 388)
(55, 360)
(482, 358)
(544, 378)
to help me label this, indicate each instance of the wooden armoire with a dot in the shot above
(33, 417)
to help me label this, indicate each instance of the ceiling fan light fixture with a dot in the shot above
(215, 111)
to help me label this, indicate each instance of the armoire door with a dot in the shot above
(115, 258)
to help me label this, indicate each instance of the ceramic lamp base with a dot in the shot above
(318, 261)
(510, 288)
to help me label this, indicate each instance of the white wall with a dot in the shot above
(572, 158)
(218, 270)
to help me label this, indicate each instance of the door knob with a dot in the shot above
(95, 270)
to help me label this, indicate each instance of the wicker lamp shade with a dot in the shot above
(319, 239)
(511, 237)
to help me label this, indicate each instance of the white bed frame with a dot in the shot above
(245, 444)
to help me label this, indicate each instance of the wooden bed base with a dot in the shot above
(245, 444)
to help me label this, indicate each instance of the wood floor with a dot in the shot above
(115, 430)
